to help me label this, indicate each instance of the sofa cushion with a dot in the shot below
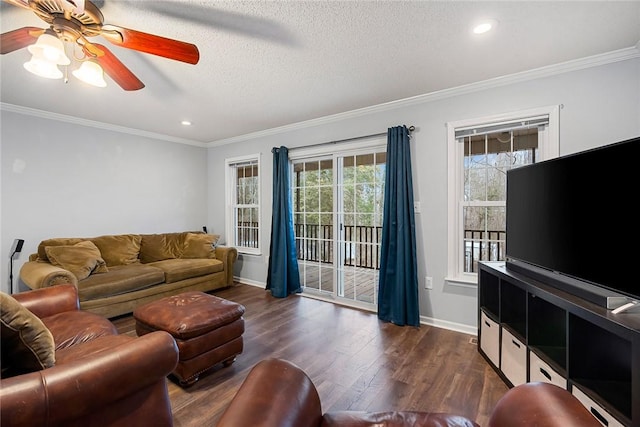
(200, 245)
(71, 328)
(27, 344)
(181, 269)
(158, 247)
(58, 241)
(81, 259)
(119, 280)
(121, 249)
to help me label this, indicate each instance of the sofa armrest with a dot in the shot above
(228, 255)
(540, 404)
(125, 385)
(38, 274)
(275, 393)
(46, 302)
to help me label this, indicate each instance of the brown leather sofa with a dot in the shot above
(278, 393)
(99, 378)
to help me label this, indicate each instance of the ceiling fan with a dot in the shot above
(77, 20)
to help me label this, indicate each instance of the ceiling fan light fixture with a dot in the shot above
(91, 73)
(50, 47)
(40, 66)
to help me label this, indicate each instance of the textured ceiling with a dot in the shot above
(266, 64)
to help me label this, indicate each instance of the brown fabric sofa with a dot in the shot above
(278, 393)
(95, 376)
(116, 273)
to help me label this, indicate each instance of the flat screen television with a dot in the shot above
(573, 222)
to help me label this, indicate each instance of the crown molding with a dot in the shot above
(95, 124)
(537, 73)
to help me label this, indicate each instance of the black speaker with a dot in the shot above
(16, 247)
(204, 228)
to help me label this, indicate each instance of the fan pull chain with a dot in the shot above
(66, 67)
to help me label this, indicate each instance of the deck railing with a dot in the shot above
(483, 245)
(361, 244)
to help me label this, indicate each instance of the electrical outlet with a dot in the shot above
(428, 282)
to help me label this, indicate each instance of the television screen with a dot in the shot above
(576, 217)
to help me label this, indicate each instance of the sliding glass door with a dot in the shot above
(338, 201)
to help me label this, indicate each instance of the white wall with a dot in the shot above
(61, 179)
(601, 105)
(66, 180)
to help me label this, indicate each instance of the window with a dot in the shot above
(243, 203)
(481, 151)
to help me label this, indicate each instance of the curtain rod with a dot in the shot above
(355, 138)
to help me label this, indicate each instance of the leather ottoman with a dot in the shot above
(207, 329)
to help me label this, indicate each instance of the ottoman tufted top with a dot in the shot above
(189, 314)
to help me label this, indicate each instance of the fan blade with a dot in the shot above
(20, 3)
(113, 67)
(149, 43)
(17, 39)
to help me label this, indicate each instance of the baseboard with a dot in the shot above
(249, 282)
(452, 326)
(428, 321)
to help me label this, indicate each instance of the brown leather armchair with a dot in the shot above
(278, 393)
(100, 378)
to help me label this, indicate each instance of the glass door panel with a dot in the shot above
(359, 219)
(313, 223)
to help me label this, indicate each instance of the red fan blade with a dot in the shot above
(17, 39)
(149, 43)
(113, 67)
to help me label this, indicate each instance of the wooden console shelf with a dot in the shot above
(530, 331)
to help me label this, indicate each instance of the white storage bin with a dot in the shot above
(605, 418)
(539, 370)
(513, 361)
(490, 339)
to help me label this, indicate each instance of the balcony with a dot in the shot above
(361, 245)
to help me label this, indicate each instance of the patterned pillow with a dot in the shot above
(27, 344)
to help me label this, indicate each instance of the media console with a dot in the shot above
(531, 331)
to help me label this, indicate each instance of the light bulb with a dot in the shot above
(90, 73)
(40, 66)
(50, 48)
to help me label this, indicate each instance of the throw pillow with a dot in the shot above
(81, 259)
(58, 241)
(158, 247)
(119, 249)
(199, 245)
(27, 344)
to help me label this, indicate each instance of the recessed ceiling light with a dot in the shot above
(186, 123)
(485, 26)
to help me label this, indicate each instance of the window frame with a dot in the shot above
(231, 220)
(548, 148)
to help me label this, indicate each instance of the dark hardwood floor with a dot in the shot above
(356, 361)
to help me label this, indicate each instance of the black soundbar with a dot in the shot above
(587, 291)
